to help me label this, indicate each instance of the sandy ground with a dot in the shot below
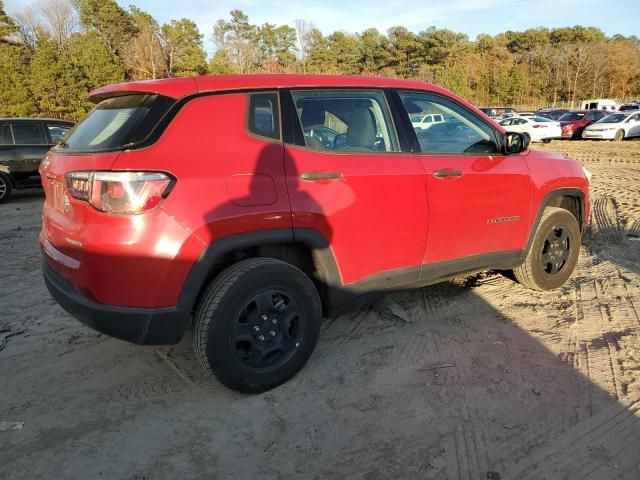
(489, 381)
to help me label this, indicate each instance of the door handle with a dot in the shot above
(447, 173)
(312, 176)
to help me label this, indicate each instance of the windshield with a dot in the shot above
(541, 119)
(571, 116)
(613, 118)
(116, 123)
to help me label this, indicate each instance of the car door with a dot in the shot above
(358, 191)
(633, 126)
(478, 197)
(30, 146)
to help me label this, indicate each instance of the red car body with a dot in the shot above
(385, 220)
(573, 128)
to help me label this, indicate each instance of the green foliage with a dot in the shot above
(183, 49)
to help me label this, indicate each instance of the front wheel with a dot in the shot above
(554, 251)
(5, 187)
(619, 135)
(257, 324)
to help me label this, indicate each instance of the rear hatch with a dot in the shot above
(94, 144)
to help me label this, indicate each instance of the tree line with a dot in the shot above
(54, 52)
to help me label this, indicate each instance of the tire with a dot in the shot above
(527, 136)
(554, 251)
(257, 324)
(577, 135)
(619, 135)
(546, 140)
(5, 187)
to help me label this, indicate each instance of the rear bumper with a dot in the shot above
(144, 326)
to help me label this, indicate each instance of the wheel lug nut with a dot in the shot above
(264, 317)
(274, 321)
(256, 328)
(261, 337)
(272, 333)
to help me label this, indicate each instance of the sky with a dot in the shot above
(471, 17)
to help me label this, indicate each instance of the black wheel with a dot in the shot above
(5, 187)
(619, 135)
(554, 251)
(546, 140)
(257, 324)
(577, 135)
(527, 136)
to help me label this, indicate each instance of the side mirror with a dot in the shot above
(515, 142)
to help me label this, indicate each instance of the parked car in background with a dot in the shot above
(23, 144)
(525, 114)
(495, 112)
(629, 106)
(574, 122)
(181, 200)
(537, 129)
(423, 121)
(616, 126)
(552, 114)
(600, 104)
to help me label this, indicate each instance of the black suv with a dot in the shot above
(23, 144)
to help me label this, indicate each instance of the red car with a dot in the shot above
(574, 121)
(255, 205)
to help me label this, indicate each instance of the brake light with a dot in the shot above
(119, 192)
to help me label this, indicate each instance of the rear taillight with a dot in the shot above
(119, 192)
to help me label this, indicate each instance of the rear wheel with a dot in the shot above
(619, 135)
(5, 187)
(257, 324)
(554, 251)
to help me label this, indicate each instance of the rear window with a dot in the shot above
(116, 123)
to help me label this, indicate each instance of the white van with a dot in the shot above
(600, 104)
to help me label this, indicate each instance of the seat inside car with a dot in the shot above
(361, 130)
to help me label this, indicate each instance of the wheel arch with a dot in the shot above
(305, 248)
(571, 199)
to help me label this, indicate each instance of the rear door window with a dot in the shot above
(345, 120)
(117, 123)
(28, 134)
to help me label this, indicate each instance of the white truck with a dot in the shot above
(600, 104)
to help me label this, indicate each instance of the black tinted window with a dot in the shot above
(6, 138)
(459, 132)
(263, 115)
(28, 134)
(117, 123)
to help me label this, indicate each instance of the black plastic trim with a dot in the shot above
(148, 326)
(561, 192)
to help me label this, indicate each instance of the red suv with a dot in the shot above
(255, 205)
(573, 122)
